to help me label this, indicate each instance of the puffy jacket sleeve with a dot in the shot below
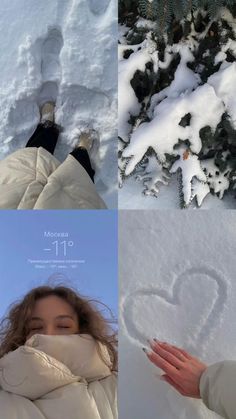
(218, 388)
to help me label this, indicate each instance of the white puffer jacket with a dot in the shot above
(32, 178)
(57, 377)
(218, 388)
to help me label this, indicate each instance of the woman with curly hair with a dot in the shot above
(58, 358)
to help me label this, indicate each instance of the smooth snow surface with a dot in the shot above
(177, 283)
(65, 50)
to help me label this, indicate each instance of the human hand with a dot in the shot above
(182, 371)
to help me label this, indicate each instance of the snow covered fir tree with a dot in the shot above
(177, 98)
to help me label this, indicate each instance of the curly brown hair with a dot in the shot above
(14, 327)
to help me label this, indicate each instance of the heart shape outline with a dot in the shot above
(172, 296)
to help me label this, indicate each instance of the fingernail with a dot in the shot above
(151, 342)
(146, 351)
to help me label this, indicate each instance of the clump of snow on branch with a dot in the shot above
(164, 131)
(156, 144)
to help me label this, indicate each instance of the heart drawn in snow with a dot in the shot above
(187, 314)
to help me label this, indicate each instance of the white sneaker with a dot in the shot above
(47, 112)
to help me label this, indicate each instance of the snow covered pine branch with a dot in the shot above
(177, 89)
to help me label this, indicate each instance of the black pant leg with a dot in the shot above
(82, 156)
(46, 136)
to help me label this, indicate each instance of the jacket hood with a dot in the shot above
(45, 363)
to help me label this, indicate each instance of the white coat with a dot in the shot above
(32, 178)
(57, 377)
(218, 388)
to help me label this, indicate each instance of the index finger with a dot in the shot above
(174, 350)
(161, 363)
(167, 354)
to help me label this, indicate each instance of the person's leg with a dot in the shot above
(47, 132)
(45, 135)
(82, 156)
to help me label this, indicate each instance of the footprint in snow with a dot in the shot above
(98, 7)
(50, 65)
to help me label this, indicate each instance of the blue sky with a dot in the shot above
(86, 257)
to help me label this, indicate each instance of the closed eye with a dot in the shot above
(63, 327)
(36, 328)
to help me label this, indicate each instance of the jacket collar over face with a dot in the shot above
(45, 363)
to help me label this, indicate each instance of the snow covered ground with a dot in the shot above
(64, 50)
(151, 129)
(177, 283)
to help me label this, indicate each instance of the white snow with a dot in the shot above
(177, 284)
(63, 50)
(218, 181)
(153, 176)
(185, 94)
(190, 168)
(127, 101)
(131, 196)
(164, 131)
(224, 83)
(145, 23)
(185, 79)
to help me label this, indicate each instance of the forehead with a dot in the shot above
(52, 306)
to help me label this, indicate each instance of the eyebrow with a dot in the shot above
(62, 316)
